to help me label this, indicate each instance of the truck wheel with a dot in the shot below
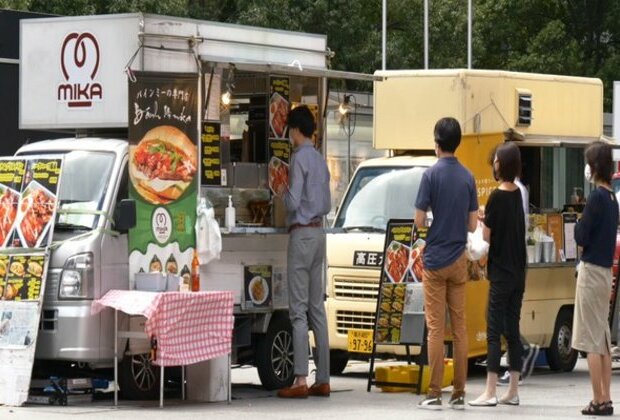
(338, 360)
(274, 355)
(560, 355)
(138, 378)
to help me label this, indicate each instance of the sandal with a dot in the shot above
(609, 406)
(594, 409)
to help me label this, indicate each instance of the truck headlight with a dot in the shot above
(77, 278)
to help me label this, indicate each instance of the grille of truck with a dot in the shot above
(51, 286)
(356, 289)
(346, 320)
(49, 319)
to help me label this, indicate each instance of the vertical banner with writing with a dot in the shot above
(211, 161)
(29, 190)
(163, 162)
(279, 145)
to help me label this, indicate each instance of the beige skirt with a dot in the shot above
(591, 318)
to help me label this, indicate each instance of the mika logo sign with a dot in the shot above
(79, 62)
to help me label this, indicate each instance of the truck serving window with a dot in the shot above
(85, 179)
(378, 195)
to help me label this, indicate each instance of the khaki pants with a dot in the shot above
(441, 287)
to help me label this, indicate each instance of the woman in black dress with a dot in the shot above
(504, 229)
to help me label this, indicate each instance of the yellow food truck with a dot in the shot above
(551, 118)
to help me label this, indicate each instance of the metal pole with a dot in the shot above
(469, 30)
(161, 386)
(349, 147)
(383, 34)
(426, 34)
(115, 357)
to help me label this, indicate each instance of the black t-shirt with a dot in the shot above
(507, 255)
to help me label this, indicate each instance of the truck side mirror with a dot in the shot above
(125, 215)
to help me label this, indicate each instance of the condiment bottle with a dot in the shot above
(229, 215)
(195, 273)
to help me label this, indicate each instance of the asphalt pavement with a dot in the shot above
(545, 395)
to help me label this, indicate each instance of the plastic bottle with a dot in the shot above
(195, 273)
(230, 215)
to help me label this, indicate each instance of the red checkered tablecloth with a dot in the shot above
(189, 327)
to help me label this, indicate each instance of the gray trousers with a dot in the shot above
(306, 291)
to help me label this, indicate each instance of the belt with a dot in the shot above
(316, 224)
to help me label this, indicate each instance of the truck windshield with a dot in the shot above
(84, 182)
(378, 195)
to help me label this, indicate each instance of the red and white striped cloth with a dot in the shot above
(189, 327)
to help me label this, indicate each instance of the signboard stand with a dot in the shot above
(399, 318)
(29, 202)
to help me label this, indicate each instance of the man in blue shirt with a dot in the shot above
(307, 200)
(448, 190)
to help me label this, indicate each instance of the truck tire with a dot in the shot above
(138, 378)
(338, 360)
(560, 355)
(274, 355)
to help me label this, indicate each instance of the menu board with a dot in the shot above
(278, 107)
(257, 286)
(279, 144)
(402, 265)
(28, 199)
(211, 161)
(570, 244)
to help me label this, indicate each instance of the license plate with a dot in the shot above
(360, 341)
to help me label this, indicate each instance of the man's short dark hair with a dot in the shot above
(448, 134)
(301, 118)
(599, 157)
(509, 158)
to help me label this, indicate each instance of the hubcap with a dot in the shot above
(564, 343)
(282, 355)
(142, 372)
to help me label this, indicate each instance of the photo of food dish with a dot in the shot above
(35, 213)
(397, 261)
(278, 115)
(171, 265)
(155, 265)
(163, 164)
(399, 291)
(384, 321)
(35, 268)
(396, 320)
(416, 263)
(3, 267)
(382, 335)
(387, 291)
(11, 291)
(278, 174)
(8, 213)
(17, 269)
(258, 290)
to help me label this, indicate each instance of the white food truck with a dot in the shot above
(74, 78)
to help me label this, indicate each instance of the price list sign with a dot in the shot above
(211, 162)
(23, 275)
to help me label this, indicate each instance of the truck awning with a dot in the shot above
(526, 140)
(293, 69)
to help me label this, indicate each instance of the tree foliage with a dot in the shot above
(574, 37)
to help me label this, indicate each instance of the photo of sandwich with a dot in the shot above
(17, 269)
(163, 165)
(35, 268)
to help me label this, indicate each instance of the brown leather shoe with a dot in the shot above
(319, 390)
(294, 392)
